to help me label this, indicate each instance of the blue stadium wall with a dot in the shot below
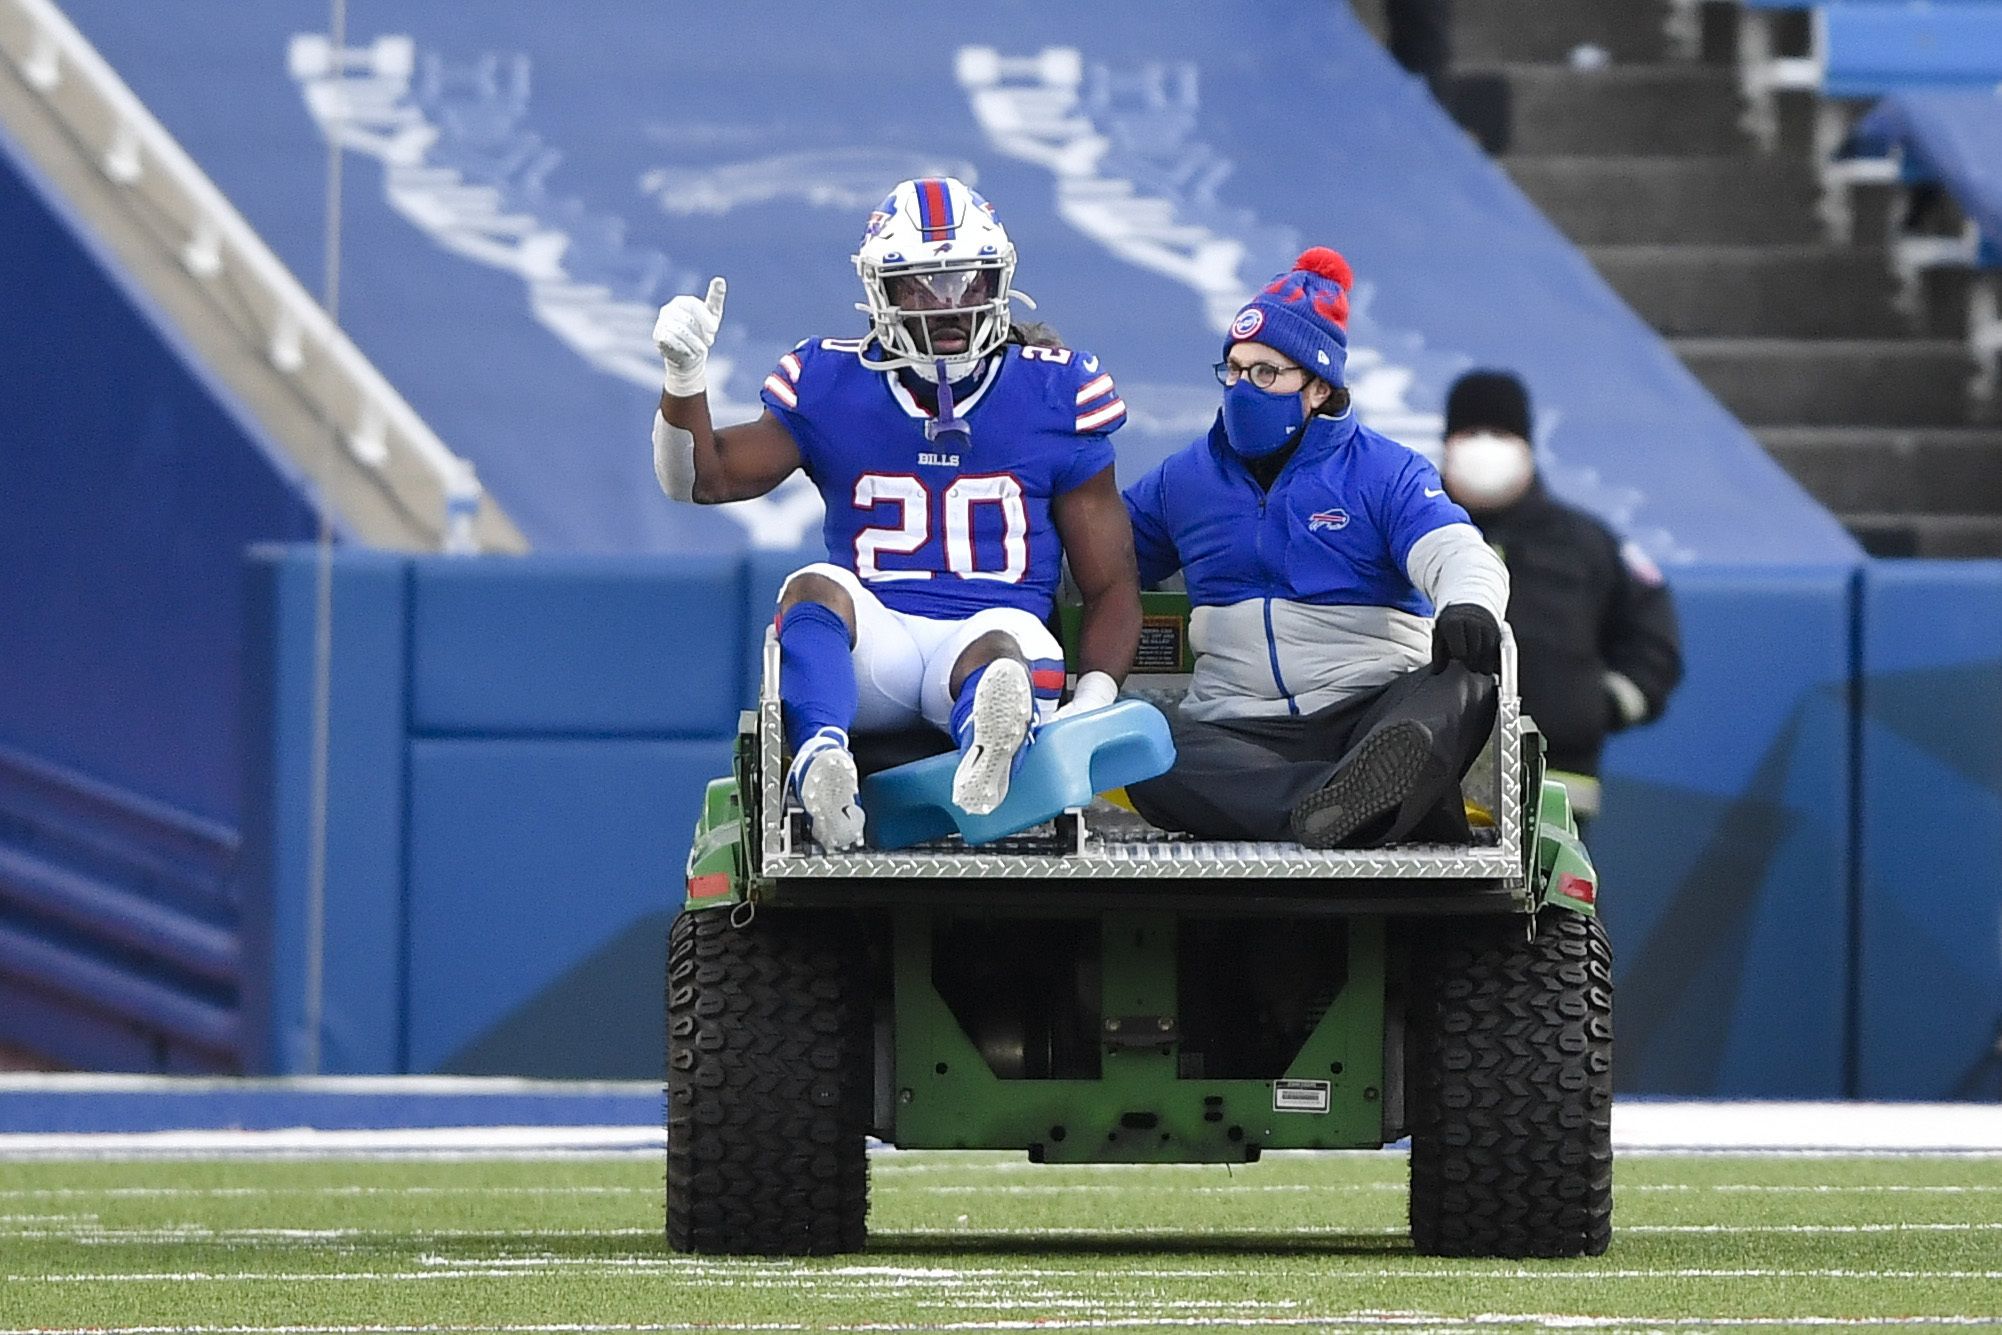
(1802, 865)
(512, 785)
(130, 485)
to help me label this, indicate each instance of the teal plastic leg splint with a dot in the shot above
(1070, 761)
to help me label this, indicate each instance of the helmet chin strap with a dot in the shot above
(947, 426)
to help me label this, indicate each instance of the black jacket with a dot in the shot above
(1581, 609)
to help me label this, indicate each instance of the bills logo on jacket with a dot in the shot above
(1324, 520)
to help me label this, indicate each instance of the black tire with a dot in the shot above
(767, 1085)
(1511, 1082)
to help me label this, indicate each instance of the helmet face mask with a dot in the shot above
(936, 268)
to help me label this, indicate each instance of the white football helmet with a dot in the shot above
(936, 265)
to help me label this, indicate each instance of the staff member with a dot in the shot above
(1595, 632)
(1328, 704)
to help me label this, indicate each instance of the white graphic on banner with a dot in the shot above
(851, 179)
(1132, 175)
(459, 166)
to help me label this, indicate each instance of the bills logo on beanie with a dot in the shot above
(1304, 313)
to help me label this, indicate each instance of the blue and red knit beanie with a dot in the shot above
(1304, 313)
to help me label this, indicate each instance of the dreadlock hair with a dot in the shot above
(1034, 334)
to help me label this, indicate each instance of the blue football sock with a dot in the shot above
(816, 674)
(962, 708)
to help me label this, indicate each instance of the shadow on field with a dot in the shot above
(619, 1246)
(1191, 1245)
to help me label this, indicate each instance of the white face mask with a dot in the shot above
(1487, 470)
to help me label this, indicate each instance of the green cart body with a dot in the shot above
(1096, 991)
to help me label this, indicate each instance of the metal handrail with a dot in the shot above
(377, 424)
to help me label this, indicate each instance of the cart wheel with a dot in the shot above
(1512, 1090)
(767, 1085)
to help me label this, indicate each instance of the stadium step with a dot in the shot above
(1672, 200)
(1835, 382)
(1499, 31)
(1801, 291)
(1856, 470)
(1634, 109)
(1958, 537)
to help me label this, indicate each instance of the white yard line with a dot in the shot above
(218, 1193)
(944, 1189)
(1807, 1126)
(1332, 1322)
(492, 1086)
(88, 1233)
(1347, 1231)
(469, 1142)
(886, 1278)
(1639, 1128)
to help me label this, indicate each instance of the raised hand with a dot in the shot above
(684, 333)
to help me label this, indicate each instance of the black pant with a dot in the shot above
(1241, 779)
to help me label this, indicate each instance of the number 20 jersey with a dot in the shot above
(946, 528)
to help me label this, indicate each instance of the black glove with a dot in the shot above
(1468, 633)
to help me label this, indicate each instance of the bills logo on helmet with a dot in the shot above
(1327, 520)
(880, 218)
(1248, 322)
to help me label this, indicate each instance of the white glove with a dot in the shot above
(684, 333)
(1094, 690)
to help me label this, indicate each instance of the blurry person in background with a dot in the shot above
(1596, 641)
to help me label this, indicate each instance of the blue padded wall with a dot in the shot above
(130, 483)
(543, 875)
(1724, 847)
(519, 750)
(578, 645)
(123, 519)
(362, 999)
(1930, 983)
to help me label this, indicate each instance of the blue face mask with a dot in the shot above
(1258, 422)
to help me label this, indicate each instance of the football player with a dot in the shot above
(961, 461)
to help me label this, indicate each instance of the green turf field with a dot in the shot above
(978, 1242)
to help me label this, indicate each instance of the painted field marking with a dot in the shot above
(217, 1193)
(1344, 1321)
(1032, 1188)
(956, 1280)
(202, 1233)
(504, 1141)
(936, 1189)
(1342, 1231)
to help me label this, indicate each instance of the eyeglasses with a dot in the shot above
(1262, 375)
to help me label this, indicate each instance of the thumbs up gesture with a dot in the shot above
(684, 334)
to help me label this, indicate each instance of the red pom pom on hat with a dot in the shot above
(1327, 263)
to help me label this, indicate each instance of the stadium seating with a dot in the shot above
(1869, 48)
(1950, 141)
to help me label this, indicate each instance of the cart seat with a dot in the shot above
(1070, 761)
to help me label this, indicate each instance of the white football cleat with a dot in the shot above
(824, 779)
(1003, 705)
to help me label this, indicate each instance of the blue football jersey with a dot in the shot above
(950, 526)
